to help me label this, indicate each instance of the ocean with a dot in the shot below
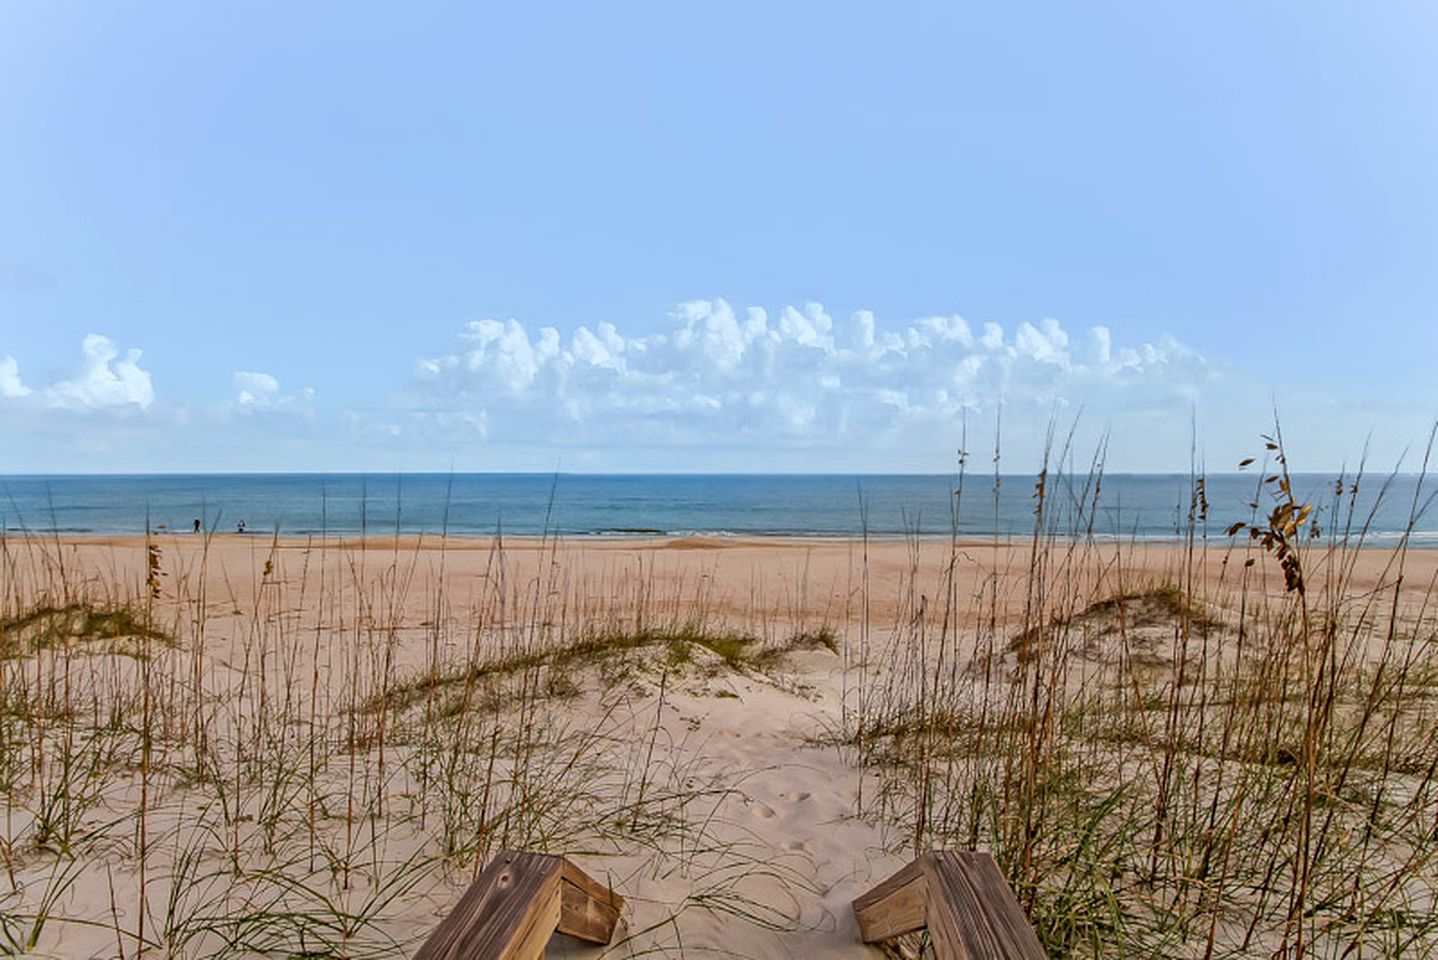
(1142, 506)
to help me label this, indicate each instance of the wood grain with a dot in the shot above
(894, 907)
(587, 910)
(515, 905)
(962, 898)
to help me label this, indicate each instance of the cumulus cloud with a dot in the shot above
(255, 388)
(261, 391)
(10, 383)
(720, 375)
(106, 379)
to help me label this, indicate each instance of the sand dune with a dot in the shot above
(276, 646)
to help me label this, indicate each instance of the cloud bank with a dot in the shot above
(798, 377)
(710, 387)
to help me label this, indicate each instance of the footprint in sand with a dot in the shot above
(763, 809)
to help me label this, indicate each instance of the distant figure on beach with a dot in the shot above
(240, 527)
(197, 524)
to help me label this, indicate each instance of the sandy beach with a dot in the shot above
(727, 681)
(787, 580)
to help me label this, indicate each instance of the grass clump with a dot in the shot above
(681, 647)
(45, 626)
(1142, 616)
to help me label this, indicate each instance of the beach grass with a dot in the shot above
(1233, 759)
(1229, 753)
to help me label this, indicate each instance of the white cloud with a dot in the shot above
(104, 380)
(261, 391)
(255, 388)
(10, 383)
(796, 378)
(717, 388)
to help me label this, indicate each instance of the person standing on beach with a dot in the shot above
(197, 524)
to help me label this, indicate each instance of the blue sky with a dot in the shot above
(338, 233)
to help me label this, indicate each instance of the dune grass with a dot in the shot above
(311, 767)
(1234, 760)
(1232, 757)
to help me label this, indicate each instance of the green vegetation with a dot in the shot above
(264, 779)
(1231, 756)
(1235, 760)
(45, 625)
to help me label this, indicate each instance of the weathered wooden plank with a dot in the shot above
(515, 905)
(587, 910)
(508, 913)
(894, 907)
(969, 903)
(963, 899)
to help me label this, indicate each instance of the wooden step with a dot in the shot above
(963, 900)
(516, 904)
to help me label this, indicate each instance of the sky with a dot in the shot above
(727, 237)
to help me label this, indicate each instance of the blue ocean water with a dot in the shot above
(1147, 506)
